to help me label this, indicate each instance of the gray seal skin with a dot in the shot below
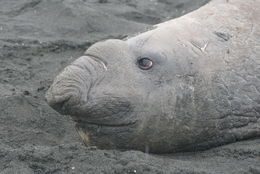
(189, 84)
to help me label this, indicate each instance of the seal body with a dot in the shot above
(190, 83)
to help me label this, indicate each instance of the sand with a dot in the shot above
(38, 38)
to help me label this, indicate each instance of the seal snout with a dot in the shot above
(62, 101)
(70, 88)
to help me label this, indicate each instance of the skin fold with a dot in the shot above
(202, 91)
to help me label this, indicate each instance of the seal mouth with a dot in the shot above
(80, 121)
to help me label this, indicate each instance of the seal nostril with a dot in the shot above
(60, 105)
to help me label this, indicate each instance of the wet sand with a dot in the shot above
(38, 38)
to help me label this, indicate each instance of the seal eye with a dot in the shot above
(145, 63)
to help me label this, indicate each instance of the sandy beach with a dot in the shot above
(38, 38)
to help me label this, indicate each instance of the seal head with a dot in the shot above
(175, 88)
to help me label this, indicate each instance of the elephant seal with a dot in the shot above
(188, 84)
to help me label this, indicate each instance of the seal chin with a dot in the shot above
(107, 136)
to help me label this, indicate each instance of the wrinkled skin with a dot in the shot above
(203, 89)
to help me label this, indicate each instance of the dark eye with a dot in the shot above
(145, 63)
